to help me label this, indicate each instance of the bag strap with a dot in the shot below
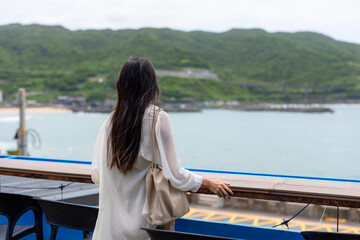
(156, 113)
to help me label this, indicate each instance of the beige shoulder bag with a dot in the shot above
(165, 202)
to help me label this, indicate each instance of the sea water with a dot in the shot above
(307, 144)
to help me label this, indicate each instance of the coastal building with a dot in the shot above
(71, 100)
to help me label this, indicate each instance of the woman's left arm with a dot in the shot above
(178, 176)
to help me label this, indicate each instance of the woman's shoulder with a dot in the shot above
(108, 118)
(151, 109)
(106, 124)
(162, 114)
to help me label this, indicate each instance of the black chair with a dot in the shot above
(313, 235)
(157, 234)
(13, 206)
(69, 215)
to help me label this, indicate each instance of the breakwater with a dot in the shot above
(304, 108)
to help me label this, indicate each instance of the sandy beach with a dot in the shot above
(35, 110)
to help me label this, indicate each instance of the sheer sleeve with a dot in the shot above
(179, 177)
(100, 151)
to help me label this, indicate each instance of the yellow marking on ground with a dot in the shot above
(225, 216)
(341, 220)
(295, 224)
(316, 228)
(242, 220)
(217, 218)
(256, 221)
(349, 230)
(208, 216)
(197, 215)
(190, 212)
(268, 222)
(278, 222)
(232, 218)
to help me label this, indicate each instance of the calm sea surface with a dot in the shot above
(320, 144)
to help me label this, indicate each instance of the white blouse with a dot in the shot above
(122, 198)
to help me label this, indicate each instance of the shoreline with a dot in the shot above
(265, 106)
(10, 110)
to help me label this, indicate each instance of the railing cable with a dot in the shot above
(286, 222)
(46, 188)
(323, 214)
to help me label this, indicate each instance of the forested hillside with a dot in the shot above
(252, 65)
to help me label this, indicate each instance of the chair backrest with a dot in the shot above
(313, 235)
(15, 205)
(157, 234)
(69, 215)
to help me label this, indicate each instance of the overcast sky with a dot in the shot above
(339, 19)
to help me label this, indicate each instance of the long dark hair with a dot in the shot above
(137, 88)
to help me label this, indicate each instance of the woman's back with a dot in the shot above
(123, 154)
(122, 197)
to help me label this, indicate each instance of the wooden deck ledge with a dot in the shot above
(332, 193)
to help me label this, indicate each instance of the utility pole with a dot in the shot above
(22, 144)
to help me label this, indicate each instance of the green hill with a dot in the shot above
(253, 65)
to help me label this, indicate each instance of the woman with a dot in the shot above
(123, 155)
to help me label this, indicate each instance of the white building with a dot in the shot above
(1, 96)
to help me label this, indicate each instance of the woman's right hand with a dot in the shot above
(218, 187)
